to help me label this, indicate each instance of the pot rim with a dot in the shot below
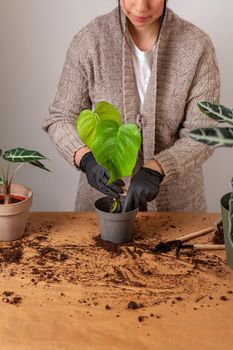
(113, 214)
(28, 195)
(225, 198)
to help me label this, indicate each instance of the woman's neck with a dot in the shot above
(144, 38)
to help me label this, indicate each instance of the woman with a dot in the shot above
(154, 67)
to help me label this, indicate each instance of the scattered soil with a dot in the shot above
(133, 305)
(7, 294)
(62, 264)
(113, 249)
(179, 298)
(10, 255)
(141, 318)
(52, 254)
(129, 273)
(16, 300)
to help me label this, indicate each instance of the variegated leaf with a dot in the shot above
(217, 112)
(214, 137)
(22, 155)
(39, 165)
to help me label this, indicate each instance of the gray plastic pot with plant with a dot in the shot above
(115, 147)
(219, 137)
(15, 200)
(114, 227)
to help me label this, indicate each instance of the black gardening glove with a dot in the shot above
(97, 177)
(143, 188)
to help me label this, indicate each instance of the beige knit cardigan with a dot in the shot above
(99, 67)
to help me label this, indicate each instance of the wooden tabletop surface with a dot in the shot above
(62, 287)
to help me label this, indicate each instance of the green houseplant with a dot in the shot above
(220, 137)
(115, 147)
(15, 200)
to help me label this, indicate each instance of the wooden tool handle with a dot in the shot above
(209, 246)
(195, 234)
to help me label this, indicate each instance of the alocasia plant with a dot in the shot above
(217, 136)
(114, 145)
(17, 155)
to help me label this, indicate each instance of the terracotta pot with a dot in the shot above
(13, 217)
(114, 227)
(226, 228)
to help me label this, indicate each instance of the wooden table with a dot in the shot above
(61, 287)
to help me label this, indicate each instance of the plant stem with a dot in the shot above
(7, 194)
(2, 171)
(16, 169)
(7, 171)
(116, 207)
(7, 186)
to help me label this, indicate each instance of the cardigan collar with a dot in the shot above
(146, 119)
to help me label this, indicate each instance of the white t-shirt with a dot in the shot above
(142, 63)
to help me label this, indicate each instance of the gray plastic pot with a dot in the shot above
(114, 227)
(226, 228)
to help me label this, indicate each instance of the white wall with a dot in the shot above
(34, 37)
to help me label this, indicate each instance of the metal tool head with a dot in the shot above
(181, 246)
(165, 247)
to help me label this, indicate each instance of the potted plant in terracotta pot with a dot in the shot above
(220, 137)
(15, 200)
(115, 147)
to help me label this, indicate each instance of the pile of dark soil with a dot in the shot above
(11, 254)
(218, 233)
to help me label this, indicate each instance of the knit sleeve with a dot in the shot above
(187, 154)
(72, 96)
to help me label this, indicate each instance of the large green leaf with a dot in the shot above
(2, 182)
(107, 111)
(88, 120)
(217, 112)
(115, 148)
(22, 155)
(214, 137)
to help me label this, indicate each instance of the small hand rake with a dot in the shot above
(167, 246)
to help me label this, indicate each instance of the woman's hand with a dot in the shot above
(144, 187)
(79, 154)
(154, 165)
(97, 177)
